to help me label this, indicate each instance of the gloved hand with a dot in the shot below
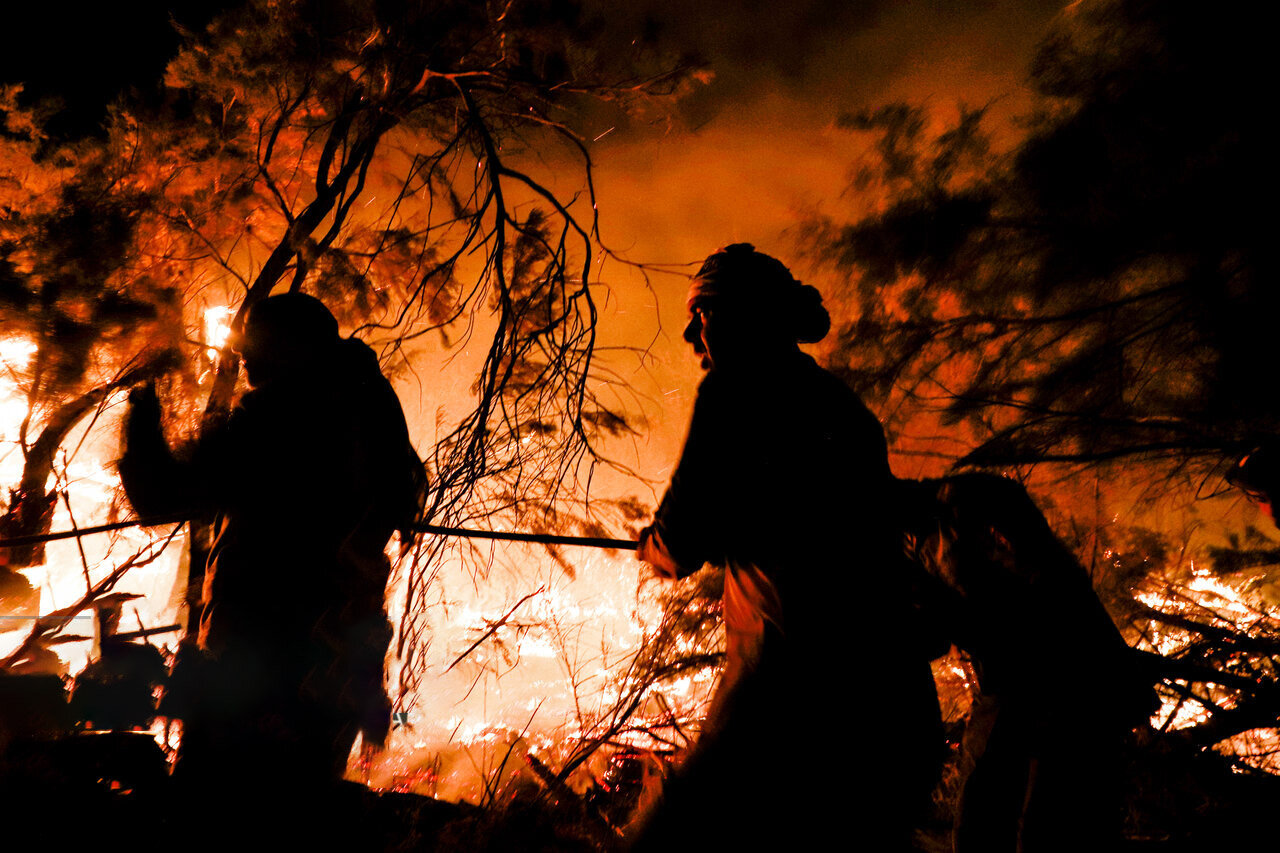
(652, 552)
(144, 403)
(142, 422)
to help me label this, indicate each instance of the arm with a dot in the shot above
(654, 552)
(686, 527)
(154, 480)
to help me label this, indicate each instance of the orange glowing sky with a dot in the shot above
(757, 146)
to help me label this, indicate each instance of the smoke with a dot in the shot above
(756, 147)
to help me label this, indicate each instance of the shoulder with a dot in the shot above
(357, 357)
(824, 385)
(985, 490)
(826, 382)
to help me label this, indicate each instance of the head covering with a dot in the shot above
(294, 322)
(739, 273)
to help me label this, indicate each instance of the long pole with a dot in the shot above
(430, 529)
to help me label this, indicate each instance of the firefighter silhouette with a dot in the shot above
(308, 479)
(1040, 773)
(784, 482)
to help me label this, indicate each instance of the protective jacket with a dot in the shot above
(1041, 772)
(308, 479)
(784, 481)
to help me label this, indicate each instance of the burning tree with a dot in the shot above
(1085, 300)
(391, 159)
(75, 302)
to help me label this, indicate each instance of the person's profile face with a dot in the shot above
(267, 357)
(730, 334)
(700, 318)
(249, 345)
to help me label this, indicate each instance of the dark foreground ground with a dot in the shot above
(113, 792)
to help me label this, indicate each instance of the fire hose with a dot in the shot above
(430, 529)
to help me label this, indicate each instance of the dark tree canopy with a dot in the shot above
(1103, 289)
(1094, 289)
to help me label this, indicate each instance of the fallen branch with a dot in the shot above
(493, 629)
(50, 624)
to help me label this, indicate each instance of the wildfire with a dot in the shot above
(16, 353)
(15, 356)
(1259, 748)
(217, 328)
(537, 685)
(1203, 592)
(1237, 606)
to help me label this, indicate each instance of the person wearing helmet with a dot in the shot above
(308, 479)
(784, 482)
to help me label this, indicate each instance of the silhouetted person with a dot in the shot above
(824, 731)
(1058, 688)
(309, 477)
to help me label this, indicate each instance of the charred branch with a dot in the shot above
(47, 627)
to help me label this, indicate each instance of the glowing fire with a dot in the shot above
(85, 474)
(217, 328)
(537, 685)
(1237, 606)
(15, 357)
